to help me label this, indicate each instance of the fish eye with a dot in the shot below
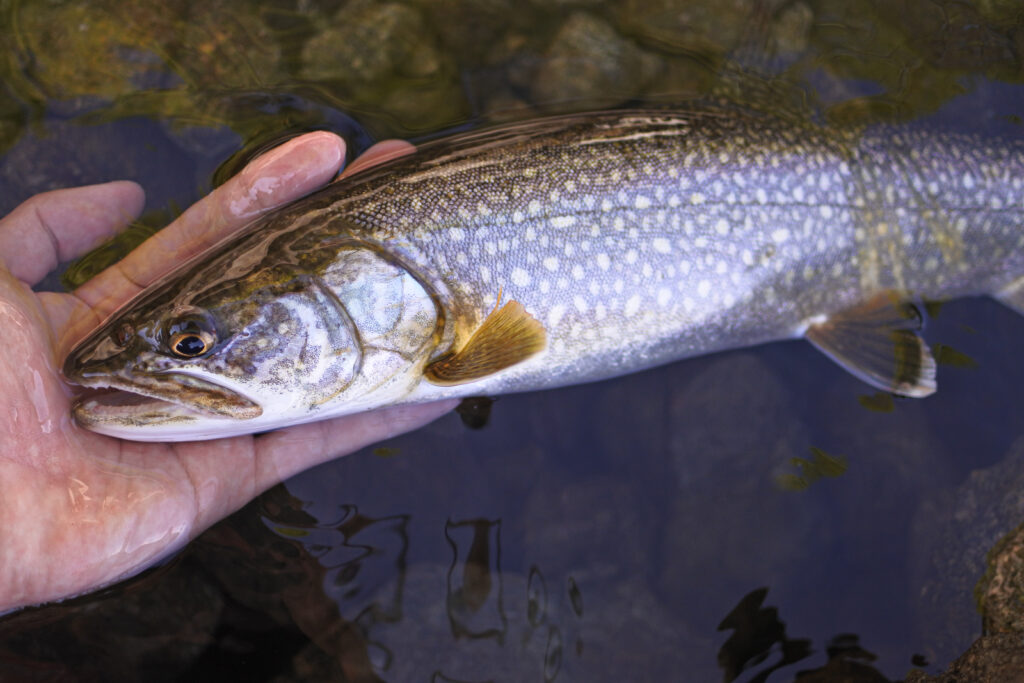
(191, 344)
(191, 335)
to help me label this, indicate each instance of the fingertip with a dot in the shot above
(385, 150)
(285, 173)
(61, 225)
(128, 195)
(289, 451)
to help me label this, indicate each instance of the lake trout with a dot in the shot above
(560, 251)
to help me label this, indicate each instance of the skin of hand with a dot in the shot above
(79, 510)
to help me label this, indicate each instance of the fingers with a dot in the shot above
(227, 473)
(282, 175)
(287, 452)
(378, 154)
(63, 224)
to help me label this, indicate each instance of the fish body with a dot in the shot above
(561, 251)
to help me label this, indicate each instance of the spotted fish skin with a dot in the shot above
(634, 238)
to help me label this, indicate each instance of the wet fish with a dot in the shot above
(566, 250)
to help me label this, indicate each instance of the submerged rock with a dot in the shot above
(730, 519)
(1000, 593)
(991, 659)
(588, 62)
(953, 533)
(703, 25)
(368, 43)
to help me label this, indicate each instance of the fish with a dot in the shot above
(565, 250)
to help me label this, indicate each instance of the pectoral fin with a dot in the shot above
(878, 342)
(1013, 295)
(507, 336)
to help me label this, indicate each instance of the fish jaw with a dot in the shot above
(158, 399)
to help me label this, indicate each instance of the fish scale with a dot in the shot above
(632, 238)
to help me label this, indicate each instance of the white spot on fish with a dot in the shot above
(661, 245)
(580, 303)
(703, 288)
(722, 227)
(604, 262)
(780, 235)
(577, 271)
(555, 315)
(563, 221)
(663, 296)
(631, 256)
(551, 263)
(696, 198)
(520, 278)
(485, 273)
(632, 305)
(642, 202)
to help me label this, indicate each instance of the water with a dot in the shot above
(639, 529)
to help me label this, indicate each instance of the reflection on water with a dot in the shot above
(628, 530)
(474, 580)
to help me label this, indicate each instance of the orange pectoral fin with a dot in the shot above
(508, 336)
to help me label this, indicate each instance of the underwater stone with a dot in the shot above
(1000, 593)
(367, 43)
(729, 518)
(702, 25)
(587, 61)
(952, 533)
(991, 659)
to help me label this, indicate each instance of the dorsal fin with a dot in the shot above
(878, 342)
(509, 335)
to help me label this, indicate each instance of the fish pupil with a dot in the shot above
(190, 345)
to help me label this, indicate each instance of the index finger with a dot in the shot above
(286, 173)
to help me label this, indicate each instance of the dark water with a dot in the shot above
(648, 528)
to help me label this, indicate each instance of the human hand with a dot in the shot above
(79, 510)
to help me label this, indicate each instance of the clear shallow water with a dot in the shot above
(601, 532)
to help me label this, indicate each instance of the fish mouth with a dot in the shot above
(158, 399)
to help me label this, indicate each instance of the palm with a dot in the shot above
(79, 509)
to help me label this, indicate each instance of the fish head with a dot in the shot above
(279, 345)
(158, 363)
